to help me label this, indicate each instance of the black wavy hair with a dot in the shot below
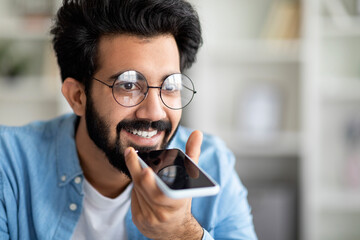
(79, 25)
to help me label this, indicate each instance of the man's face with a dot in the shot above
(147, 126)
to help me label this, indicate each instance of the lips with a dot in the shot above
(143, 134)
(142, 139)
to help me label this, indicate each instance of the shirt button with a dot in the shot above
(77, 180)
(73, 207)
(63, 178)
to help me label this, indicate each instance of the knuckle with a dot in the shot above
(162, 217)
(138, 182)
(142, 182)
(150, 221)
(159, 198)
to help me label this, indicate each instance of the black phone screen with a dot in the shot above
(175, 169)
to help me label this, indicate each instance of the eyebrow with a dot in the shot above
(116, 75)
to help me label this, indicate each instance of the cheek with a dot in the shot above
(174, 117)
(113, 115)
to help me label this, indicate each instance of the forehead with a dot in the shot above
(155, 55)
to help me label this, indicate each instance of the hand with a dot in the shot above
(154, 214)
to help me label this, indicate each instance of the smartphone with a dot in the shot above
(177, 175)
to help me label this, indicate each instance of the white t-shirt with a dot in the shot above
(102, 217)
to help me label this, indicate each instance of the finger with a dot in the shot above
(139, 208)
(150, 190)
(133, 164)
(193, 145)
(153, 194)
(144, 180)
(152, 203)
(135, 207)
(158, 203)
(148, 184)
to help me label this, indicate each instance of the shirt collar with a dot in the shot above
(68, 165)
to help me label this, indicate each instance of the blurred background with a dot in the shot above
(278, 80)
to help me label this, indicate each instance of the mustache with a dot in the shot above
(144, 125)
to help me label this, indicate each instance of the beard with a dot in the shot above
(99, 132)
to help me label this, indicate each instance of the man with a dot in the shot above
(77, 176)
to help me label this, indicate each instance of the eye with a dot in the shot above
(130, 82)
(171, 87)
(172, 83)
(168, 87)
(127, 86)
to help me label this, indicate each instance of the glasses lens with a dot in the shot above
(130, 88)
(177, 91)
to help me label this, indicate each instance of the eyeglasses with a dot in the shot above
(130, 88)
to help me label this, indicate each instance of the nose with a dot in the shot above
(152, 108)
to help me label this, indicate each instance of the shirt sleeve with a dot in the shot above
(234, 216)
(227, 215)
(234, 212)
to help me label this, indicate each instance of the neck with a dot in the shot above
(96, 168)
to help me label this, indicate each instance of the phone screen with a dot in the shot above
(175, 169)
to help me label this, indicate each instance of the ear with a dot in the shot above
(74, 92)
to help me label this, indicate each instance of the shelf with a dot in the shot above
(24, 36)
(341, 27)
(256, 51)
(279, 145)
(29, 89)
(12, 28)
(341, 90)
(339, 200)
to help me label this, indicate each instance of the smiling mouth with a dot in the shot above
(143, 133)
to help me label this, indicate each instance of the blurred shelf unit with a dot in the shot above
(344, 226)
(340, 200)
(256, 51)
(331, 137)
(280, 146)
(341, 90)
(287, 72)
(24, 28)
(25, 99)
(248, 77)
(29, 76)
(251, 54)
(27, 89)
(350, 27)
(276, 145)
(340, 18)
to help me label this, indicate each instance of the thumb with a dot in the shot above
(193, 145)
(132, 163)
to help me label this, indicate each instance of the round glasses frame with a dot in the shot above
(148, 87)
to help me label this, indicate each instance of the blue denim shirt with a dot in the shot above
(40, 198)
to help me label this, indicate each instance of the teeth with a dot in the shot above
(144, 134)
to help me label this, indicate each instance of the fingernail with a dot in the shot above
(127, 151)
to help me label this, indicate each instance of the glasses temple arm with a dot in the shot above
(193, 90)
(110, 86)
